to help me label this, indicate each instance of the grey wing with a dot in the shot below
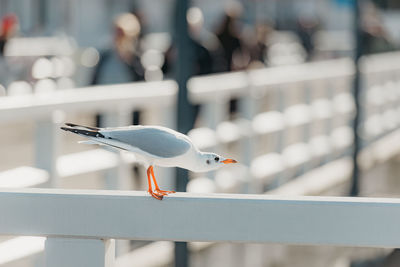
(154, 141)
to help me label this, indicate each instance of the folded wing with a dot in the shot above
(152, 140)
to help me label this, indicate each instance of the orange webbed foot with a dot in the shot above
(164, 192)
(156, 195)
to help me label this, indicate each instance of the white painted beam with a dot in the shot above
(370, 222)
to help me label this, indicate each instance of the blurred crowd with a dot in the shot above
(136, 55)
(230, 47)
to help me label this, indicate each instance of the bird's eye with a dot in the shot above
(216, 159)
(208, 161)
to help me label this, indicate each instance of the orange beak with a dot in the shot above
(229, 161)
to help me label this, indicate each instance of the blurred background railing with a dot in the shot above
(270, 83)
(290, 123)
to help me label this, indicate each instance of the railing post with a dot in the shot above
(47, 145)
(186, 113)
(215, 112)
(67, 252)
(248, 108)
(355, 187)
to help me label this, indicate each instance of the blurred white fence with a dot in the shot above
(117, 103)
(290, 121)
(293, 119)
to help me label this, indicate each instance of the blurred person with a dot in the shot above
(254, 41)
(9, 24)
(375, 38)
(233, 55)
(264, 31)
(228, 33)
(121, 62)
(307, 26)
(201, 43)
(242, 57)
(9, 27)
(206, 43)
(205, 38)
(236, 44)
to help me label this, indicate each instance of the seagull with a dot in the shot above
(152, 145)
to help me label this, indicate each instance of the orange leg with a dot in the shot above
(157, 189)
(156, 195)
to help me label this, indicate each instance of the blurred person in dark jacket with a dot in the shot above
(234, 53)
(201, 43)
(121, 62)
(375, 37)
(228, 33)
(307, 26)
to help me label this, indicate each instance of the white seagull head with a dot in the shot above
(211, 161)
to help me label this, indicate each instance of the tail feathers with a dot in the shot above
(91, 133)
(96, 138)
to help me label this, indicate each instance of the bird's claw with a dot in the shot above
(159, 194)
(163, 192)
(156, 195)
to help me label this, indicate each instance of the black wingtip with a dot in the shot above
(67, 129)
(83, 132)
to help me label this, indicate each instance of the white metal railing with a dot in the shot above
(79, 225)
